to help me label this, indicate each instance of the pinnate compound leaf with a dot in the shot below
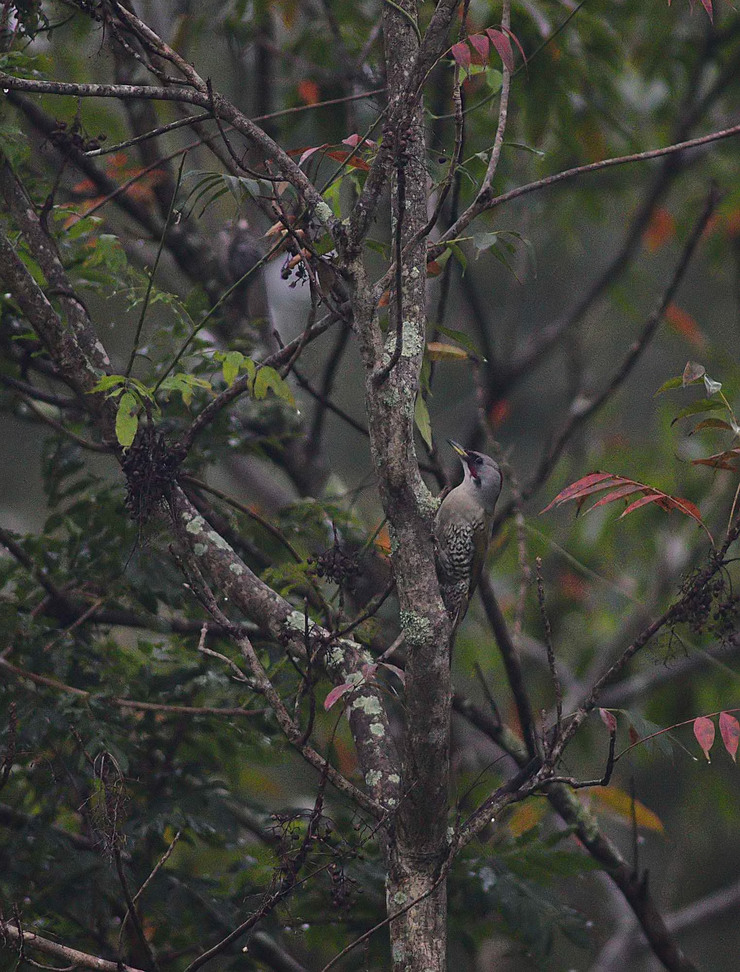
(622, 487)
(704, 732)
(580, 488)
(127, 419)
(729, 729)
(721, 460)
(336, 693)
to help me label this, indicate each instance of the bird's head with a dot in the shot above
(482, 474)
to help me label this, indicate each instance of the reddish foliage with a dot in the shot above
(336, 693)
(503, 45)
(661, 228)
(499, 412)
(308, 92)
(609, 719)
(721, 460)
(461, 54)
(729, 729)
(621, 488)
(682, 322)
(704, 732)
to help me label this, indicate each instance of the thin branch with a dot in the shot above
(488, 202)
(13, 934)
(503, 110)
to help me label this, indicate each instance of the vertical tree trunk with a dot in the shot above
(419, 842)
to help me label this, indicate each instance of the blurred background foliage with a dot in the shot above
(95, 784)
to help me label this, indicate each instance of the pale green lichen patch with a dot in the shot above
(399, 898)
(217, 540)
(428, 504)
(394, 778)
(199, 549)
(297, 621)
(373, 777)
(197, 525)
(323, 212)
(413, 340)
(416, 629)
(377, 729)
(367, 704)
(236, 569)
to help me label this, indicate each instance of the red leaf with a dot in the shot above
(617, 494)
(503, 45)
(707, 4)
(634, 736)
(574, 490)
(308, 92)
(720, 460)
(482, 46)
(336, 693)
(354, 140)
(609, 719)
(352, 160)
(461, 54)
(369, 670)
(729, 727)
(310, 151)
(660, 229)
(510, 33)
(643, 501)
(704, 732)
(684, 324)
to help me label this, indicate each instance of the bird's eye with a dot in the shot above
(478, 461)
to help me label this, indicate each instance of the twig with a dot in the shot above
(75, 958)
(247, 511)
(489, 202)
(152, 274)
(552, 664)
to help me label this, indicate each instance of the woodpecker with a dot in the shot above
(462, 529)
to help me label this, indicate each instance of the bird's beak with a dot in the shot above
(463, 453)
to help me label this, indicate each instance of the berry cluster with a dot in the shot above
(336, 565)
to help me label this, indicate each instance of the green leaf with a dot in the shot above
(676, 382)
(462, 339)
(267, 379)
(423, 422)
(232, 363)
(703, 405)
(127, 419)
(108, 382)
(185, 385)
(459, 256)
